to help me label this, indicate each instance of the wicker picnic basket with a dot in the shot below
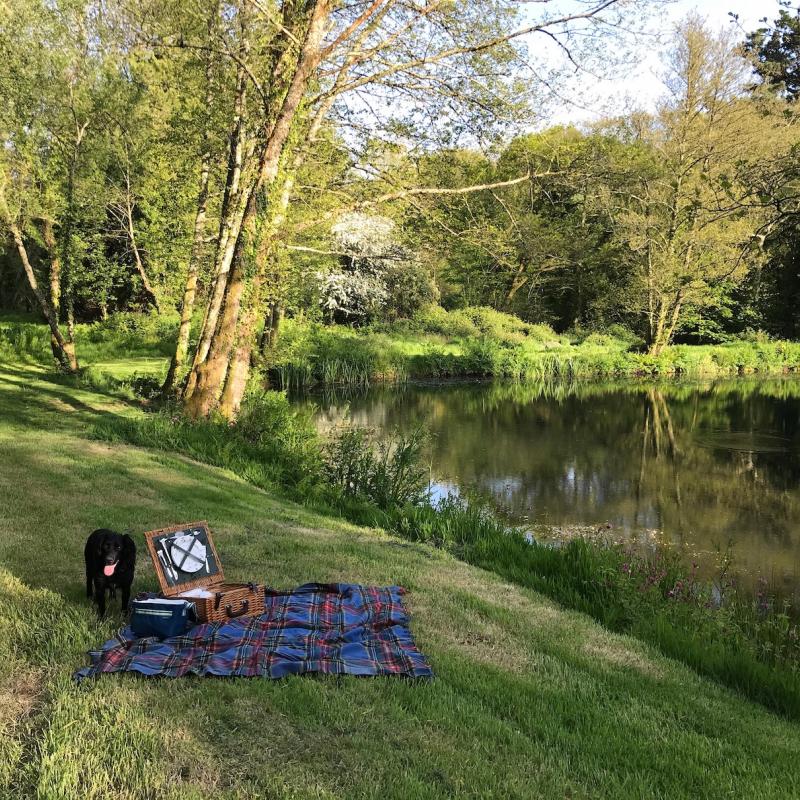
(187, 565)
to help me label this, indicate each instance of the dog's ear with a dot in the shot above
(128, 545)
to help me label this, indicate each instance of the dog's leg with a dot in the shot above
(89, 581)
(126, 598)
(100, 598)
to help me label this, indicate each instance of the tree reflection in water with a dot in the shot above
(702, 466)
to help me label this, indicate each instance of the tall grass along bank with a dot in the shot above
(435, 345)
(482, 343)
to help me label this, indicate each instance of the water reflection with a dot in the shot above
(701, 465)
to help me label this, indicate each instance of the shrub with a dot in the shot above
(385, 472)
(503, 327)
(131, 332)
(21, 338)
(454, 325)
(435, 363)
(605, 340)
(483, 356)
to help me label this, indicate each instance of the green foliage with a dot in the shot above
(386, 471)
(132, 333)
(485, 343)
(777, 52)
(434, 319)
(20, 338)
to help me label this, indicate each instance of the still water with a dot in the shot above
(706, 467)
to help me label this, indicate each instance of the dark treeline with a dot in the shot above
(240, 161)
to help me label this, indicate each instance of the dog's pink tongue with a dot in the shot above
(108, 569)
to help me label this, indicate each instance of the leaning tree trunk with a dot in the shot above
(190, 289)
(146, 285)
(234, 203)
(137, 256)
(239, 367)
(234, 232)
(211, 375)
(68, 268)
(674, 317)
(65, 348)
(241, 358)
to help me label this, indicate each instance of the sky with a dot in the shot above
(642, 86)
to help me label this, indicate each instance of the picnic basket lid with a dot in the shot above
(184, 557)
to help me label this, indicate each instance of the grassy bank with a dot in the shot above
(751, 644)
(435, 345)
(530, 700)
(483, 343)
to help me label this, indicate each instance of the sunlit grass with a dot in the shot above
(529, 700)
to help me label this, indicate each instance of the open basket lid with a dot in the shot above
(184, 557)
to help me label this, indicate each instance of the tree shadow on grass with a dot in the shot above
(30, 398)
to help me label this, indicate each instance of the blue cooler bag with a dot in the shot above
(161, 617)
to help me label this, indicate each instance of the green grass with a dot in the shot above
(529, 700)
(436, 345)
(483, 343)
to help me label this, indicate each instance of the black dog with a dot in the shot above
(110, 561)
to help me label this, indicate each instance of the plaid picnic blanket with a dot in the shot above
(339, 628)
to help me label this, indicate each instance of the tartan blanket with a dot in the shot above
(339, 628)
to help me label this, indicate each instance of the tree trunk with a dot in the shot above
(272, 326)
(67, 271)
(241, 359)
(190, 288)
(520, 279)
(55, 278)
(212, 372)
(65, 349)
(657, 341)
(55, 264)
(148, 289)
(676, 311)
(234, 203)
(239, 367)
(210, 375)
(234, 227)
(236, 380)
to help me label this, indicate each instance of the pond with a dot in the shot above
(707, 467)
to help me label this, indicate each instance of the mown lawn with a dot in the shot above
(529, 701)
